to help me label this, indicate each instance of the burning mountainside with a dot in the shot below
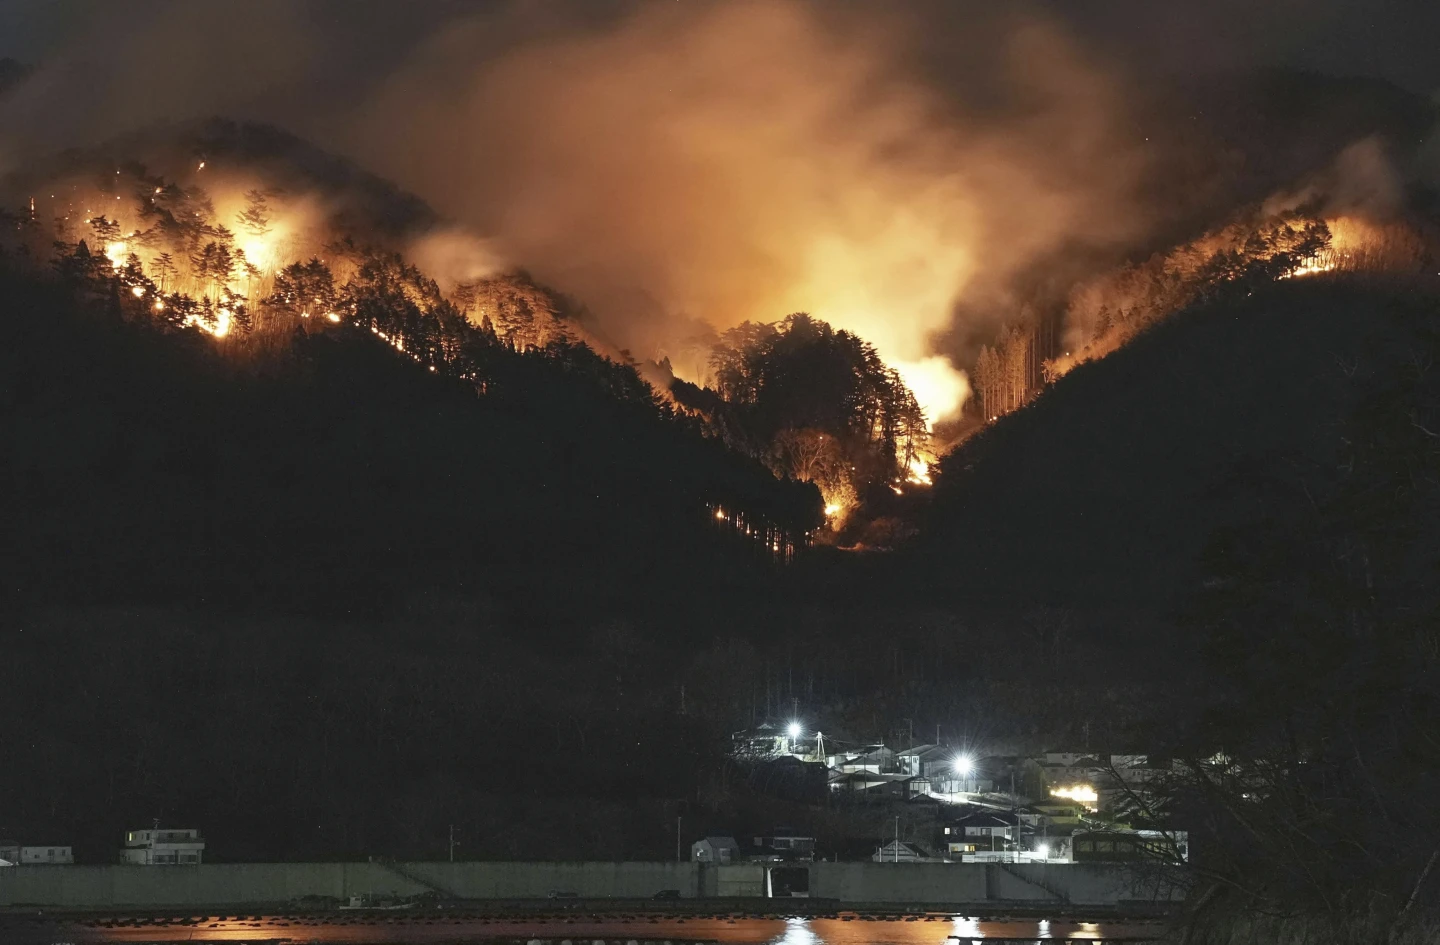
(1107, 312)
(816, 404)
(243, 232)
(220, 248)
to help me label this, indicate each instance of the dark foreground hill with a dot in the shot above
(1106, 493)
(146, 466)
(349, 592)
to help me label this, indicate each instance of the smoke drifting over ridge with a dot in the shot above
(692, 166)
(678, 167)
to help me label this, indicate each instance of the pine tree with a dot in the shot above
(164, 267)
(255, 218)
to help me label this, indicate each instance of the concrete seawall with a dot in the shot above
(256, 884)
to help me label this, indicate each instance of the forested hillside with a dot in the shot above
(1106, 491)
(148, 466)
(1283, 168)
(332, 580)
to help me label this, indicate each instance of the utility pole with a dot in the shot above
(897, 839)
(452, 843)
(678, 818)
(1015, 812)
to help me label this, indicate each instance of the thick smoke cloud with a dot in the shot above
(693, 165)
(681, 167)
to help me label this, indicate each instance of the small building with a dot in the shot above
(1060, 814)
(722, 851)
(49, 854)
(785, 846)
(876, 759)
(1124, 846)
(873, 786)
(766, 740)
(157, 847)
(983, 831)
(928, 761)
(901, 851)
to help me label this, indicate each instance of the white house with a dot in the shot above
(874, 760)
(925, 760)
(719, 850)
(983, 830)
(46, 855)
(163, 847)
(13, 854)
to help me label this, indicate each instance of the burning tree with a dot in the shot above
(523, 313)
(304, 289)
(819, 405)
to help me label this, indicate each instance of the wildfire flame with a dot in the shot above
(1309, 268)
(1082, 793)
(115, 252)
(919, 472)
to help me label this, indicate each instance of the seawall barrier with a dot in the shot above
(870, 884)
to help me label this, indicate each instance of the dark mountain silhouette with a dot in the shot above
(149, 467)
(1105, 492)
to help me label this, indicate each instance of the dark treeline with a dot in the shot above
(147, 466)
(1270, 497)
(359, 597)
(364, 600)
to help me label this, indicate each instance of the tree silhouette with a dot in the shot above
(255, 218)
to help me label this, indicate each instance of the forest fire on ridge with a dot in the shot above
(812, 402)
(248, 266)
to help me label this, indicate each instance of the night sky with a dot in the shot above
(1393, 39)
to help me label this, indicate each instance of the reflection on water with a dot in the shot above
(798, 932)
(580, 929)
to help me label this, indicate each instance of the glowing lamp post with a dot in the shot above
(794, 731)
(964, 766)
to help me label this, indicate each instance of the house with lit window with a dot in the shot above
(982, 831)
(163, 847)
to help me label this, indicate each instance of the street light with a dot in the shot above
(1044, 851)
(964, 765)
(794, 730)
